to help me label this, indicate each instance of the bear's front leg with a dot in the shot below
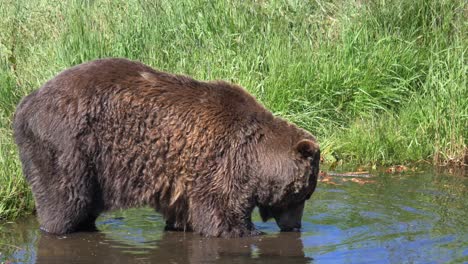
(218, 217)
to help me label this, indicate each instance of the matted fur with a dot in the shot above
(113, 133)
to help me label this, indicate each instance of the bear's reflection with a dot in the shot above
(174, 247)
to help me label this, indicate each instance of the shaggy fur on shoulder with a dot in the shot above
(114, 133)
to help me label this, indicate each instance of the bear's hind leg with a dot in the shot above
(66, 193)
(74, 206)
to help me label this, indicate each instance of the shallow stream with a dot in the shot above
(417, 217)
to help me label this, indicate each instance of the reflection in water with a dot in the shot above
(174, 247)
(121, 241)
(410, 218)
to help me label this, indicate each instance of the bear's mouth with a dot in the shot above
(287, 218)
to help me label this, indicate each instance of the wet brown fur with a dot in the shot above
(113, 133)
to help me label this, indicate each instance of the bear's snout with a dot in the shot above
(289, 220)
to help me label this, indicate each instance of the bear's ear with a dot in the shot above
(307, 148)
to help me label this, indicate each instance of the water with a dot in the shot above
(401, 218)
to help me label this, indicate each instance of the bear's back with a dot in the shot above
(123, 81)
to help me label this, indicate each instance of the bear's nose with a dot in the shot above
(291, 229)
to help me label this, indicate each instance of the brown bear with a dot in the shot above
(114, 133)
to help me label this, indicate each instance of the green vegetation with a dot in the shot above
(379, 82)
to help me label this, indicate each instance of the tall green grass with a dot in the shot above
(379, 82)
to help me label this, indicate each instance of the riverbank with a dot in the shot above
(377, 82)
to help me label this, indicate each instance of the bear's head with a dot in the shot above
(289, 172)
